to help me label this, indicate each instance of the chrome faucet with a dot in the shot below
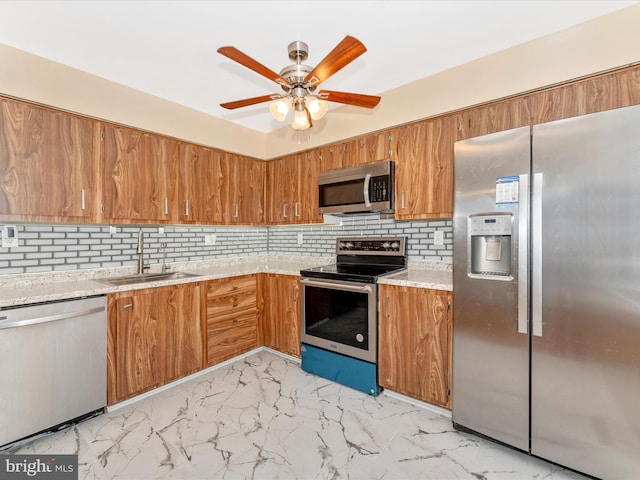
(140, 252)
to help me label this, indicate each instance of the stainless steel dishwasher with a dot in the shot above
(53, 365)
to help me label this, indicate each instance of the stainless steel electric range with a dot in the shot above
(339, 324)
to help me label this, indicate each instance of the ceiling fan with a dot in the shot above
(300, 82)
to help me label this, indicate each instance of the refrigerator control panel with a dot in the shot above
(490, 224)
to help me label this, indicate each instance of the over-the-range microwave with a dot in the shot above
(363, 189)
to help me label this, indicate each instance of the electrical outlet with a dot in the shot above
(300, 239)
(112, 230)
(9, 236)
(438, 238)
(209, 239)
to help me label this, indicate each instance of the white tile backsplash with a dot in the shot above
(44, 247)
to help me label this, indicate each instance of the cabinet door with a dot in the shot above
(282, 186)
(372, 148)
(245, 190)
(140, 173)
(183, 330)
(140, 344)
(280, 326)
(155, 336)
(424, 169)
(48, 164)
(305, 206)
(335, 156)
(201, 186)
(415, 343)
(491, 118)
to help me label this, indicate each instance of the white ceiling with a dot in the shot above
(168, 48)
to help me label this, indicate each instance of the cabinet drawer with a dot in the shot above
(229, 304)
(231, 322)
(228, 340)
(232, 286)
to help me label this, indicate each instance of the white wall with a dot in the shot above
(606, 42)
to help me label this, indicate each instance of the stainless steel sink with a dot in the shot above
(145, 278)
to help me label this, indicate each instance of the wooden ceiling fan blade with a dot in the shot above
(344, 53)
(243, 59)
(248, 101)
(357, 99)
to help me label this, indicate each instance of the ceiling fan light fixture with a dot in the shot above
(280, 108)
(317, 108)
(301, 118)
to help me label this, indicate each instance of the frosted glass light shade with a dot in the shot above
(300, 120)
(279, 109)
(317, 108)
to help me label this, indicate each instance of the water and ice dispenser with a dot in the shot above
(489, 241)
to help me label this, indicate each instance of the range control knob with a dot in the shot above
(386, 245)
(349, 245)
(395, 246)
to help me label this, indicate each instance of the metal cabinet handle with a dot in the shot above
(128, 305)
(284, 210)
(236, 207)
(402, 200)
(166, 205)
(536, 253)
(523, 255)
(293, 293)
(386, 307)
(186, 208)
(297, 209)
(82, 200)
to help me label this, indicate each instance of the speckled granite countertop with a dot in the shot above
(35, 288)
(431, 275)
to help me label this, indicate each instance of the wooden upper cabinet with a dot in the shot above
(424, 169)
(292, 184)
(201, 185)
(140, 172)
(245, 198)
(335, 156)
(305, 206)
(491, 118)
(280, 190)
(371, 148)
(48, 164)
(590, 95)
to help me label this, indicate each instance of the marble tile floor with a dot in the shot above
(262, 417)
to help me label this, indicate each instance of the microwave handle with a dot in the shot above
(367, 181)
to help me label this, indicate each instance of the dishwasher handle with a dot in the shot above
(6, 324)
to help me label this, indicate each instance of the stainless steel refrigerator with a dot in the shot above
(546, 321)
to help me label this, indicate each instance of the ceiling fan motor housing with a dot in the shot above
(295, 74)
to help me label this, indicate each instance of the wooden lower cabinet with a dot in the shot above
(232, 317)
(280, 313)
(415, 343)
(154, 337)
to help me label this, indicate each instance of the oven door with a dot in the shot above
(340, 317)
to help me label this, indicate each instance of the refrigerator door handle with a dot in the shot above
(523, 255)
(536, 253)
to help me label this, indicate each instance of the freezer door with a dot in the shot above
(586, 299)
(490, 340)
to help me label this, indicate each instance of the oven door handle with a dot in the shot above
(341, 286)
